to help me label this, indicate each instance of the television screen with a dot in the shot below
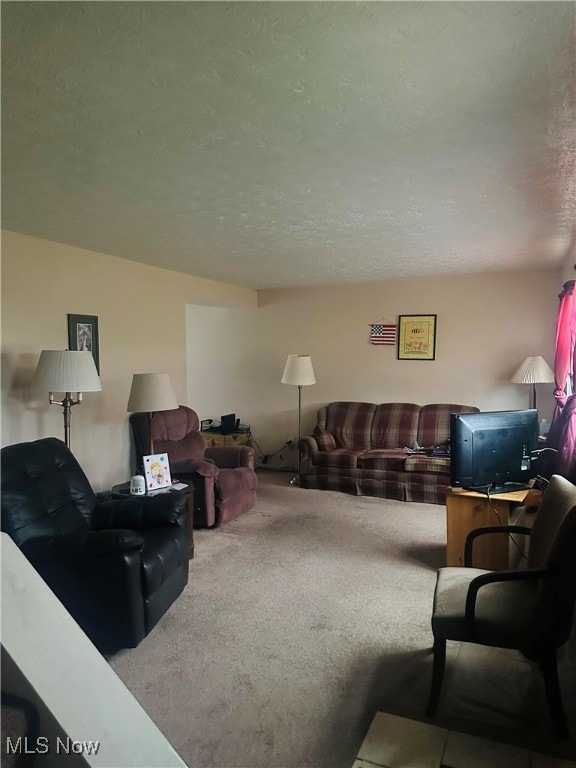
(491, 451)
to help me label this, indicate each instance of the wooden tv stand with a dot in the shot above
(466, 510)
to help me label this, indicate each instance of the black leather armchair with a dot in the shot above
(117, 565)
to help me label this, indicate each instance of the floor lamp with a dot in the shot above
(534, 370)
(299, 372)
(151, 392)
(67, 371)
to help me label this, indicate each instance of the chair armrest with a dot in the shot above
(203, 468)
(477, 532)
(493, 577)
(136, 512)
(231, 456)
(82, 545)
(97, 576)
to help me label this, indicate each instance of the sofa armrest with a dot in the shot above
(308, 446)
(325, 439)
(231, 456)
(136, 512)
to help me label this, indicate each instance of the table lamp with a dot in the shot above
(534, 370)
(151, 392)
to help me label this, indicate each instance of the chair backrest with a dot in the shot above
(178, 434)
(434, 422)
(395, 425)
(553, 546)
(349, 422)
(557, 501)
(174, 424)
(44, 491)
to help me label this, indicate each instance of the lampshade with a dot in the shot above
(299, 371)
(534, 370)
(64, 370)
(151, 392)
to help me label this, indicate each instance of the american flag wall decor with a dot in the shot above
(382, 334)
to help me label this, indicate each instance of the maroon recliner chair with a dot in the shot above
(223, 477)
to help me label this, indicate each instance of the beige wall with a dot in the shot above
(225, 348)
(487, 324)
(142, 327)
(569, 267)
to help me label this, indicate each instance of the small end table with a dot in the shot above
(215, 439)
(467, 510)
(122, 490)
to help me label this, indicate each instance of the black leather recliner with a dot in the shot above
(117, 565)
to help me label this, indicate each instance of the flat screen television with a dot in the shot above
(491, 451)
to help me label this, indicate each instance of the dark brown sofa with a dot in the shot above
(393, 450)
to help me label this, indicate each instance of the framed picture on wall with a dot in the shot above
(417, 337)
(83, 335)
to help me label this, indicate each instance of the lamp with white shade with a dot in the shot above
(299, 372)
(67, 371)
(151, 392)
(534, 370)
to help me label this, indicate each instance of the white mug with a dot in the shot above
(137, 486)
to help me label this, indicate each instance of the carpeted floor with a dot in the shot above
(305, 617)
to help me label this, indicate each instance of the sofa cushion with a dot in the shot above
(434, 424)
(425, 487)
(350, 423)
(395, 425)
(339, 457)
(439, 465)
(391, 460)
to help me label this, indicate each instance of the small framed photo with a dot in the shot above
(157, 471)
(417, 337)
(83, 335)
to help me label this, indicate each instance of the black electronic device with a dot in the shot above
(228, 424)
(206, 424)
(491, 451)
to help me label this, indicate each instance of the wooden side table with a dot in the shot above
(215, 438)
(122, 490)
(467, 510)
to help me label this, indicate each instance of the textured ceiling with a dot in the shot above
(273, 144)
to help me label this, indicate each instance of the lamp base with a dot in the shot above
(66, 403)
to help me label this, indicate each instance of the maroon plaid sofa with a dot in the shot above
(360, 448)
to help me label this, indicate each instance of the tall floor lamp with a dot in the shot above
(299, 372)
(67, 371)
(534, 370)
(151, 392)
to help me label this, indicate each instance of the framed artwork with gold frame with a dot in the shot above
(417, 337)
